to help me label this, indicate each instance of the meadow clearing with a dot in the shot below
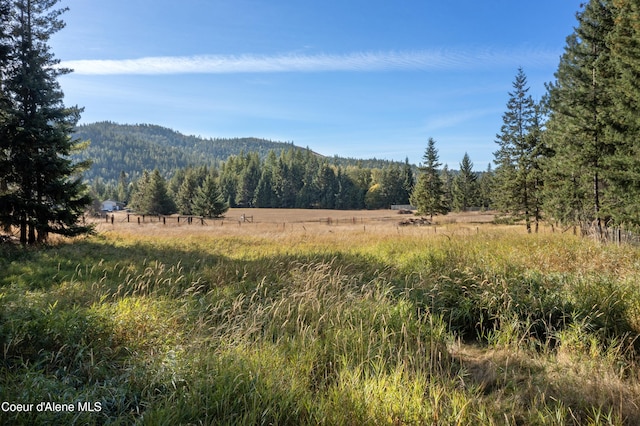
(320, 317)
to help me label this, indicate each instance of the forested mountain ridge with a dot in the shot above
(133, 148)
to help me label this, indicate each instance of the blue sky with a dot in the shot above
(353, 78)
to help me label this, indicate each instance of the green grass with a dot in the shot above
(491, 328)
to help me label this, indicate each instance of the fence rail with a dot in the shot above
(608, 234)
(142, 218)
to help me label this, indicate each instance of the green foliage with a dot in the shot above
(150, 195)
(134, 148)
(581, 114)
(207, 200)
(464, 187)
(428, 194)
(486, 191)
(294, 179)
(518, 182)
(41, 191)
(469, 329)
(624, 166)
(186, 192)
(328, 333)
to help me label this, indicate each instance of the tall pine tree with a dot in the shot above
(5, 113)
(624, 165)
(580, 104)
(428, 193)
(208, 201)
(465, 186)
(518, 154)
(43, 190)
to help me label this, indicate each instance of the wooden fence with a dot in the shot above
(142, 218)
(244, 218)
(608, 234)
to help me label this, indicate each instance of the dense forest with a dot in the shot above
(132, 148)
(292, 178)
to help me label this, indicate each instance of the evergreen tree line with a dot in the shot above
(572, 157)
(133, 148)
(439, 191)
(292, 179)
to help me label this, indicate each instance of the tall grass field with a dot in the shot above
(334, 324)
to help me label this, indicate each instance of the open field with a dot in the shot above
(293, 319)
(295, 221)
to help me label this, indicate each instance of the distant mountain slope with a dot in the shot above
(134, 148)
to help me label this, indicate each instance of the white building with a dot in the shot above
(110, 205)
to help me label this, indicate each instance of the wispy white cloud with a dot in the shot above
(457, 118)
(425, 60)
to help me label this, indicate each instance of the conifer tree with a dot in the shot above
(265, 195)
(518, 154)
(229, 180)
(327, 187)
(408, 180)
(187, 192)
(447, 185)
(428, 194)
(123, 188)
(580, 103)
(43, 192)
(485, 188)
(309, 194)
(248, 180)
(465, 186)
(151, 195)
(624, 165)
(5, 112)
(208, 201)
(394, 180)
(346, 197)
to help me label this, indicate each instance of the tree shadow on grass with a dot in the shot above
(92, 261)
(49, 329)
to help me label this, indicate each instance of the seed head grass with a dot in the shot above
(367, 324)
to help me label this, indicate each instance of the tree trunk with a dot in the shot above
(596, 203)
(23, 228)
(32, 233)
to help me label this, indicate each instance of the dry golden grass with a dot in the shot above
(331, 317)
(291, 222)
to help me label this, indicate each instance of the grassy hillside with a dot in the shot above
(322, 323)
